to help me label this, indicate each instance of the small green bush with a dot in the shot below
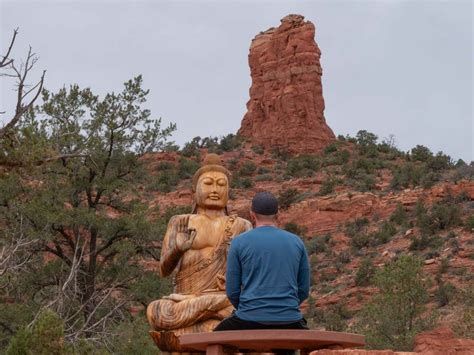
(331, 148)
(445, 293)
(365, 273)
(318, 244)
(469, 223)
(426, 241)
(335, 317)
(359, 224)
(302, 166)
(327, 186)
(247, 169)
(294, 228)
(230, 142)
(396, 313)
(44, 338)
(399, 216)
(420, 153)
(287, 197)
(264, 177)
(187, 168)
(258, 149)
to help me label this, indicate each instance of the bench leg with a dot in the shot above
(215, 350)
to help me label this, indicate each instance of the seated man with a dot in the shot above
(267, 275)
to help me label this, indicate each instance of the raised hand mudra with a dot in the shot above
(184, 235)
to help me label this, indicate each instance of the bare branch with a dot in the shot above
(21, 74)
(6, 58)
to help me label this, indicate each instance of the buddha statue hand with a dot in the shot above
(184, 235)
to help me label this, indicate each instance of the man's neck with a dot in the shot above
(211, 213)
(265, 224)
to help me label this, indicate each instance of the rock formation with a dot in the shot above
(286, 105)
(442, 341)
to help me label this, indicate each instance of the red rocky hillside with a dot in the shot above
(357, 202)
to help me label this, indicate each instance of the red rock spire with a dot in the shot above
(286, 105)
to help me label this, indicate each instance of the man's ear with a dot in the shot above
(252, 217)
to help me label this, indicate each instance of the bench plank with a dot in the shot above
(268, 339)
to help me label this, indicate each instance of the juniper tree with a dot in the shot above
(396, 314)
(71, 187)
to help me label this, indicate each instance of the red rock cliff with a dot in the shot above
(286, 105)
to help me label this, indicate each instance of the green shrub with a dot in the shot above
(262, 170)
(44, 338)
(133, 338)
(287, 197)
(331, 148)
(165, 181)
(318, 244)
(192, 148)
(233, 163)
(426, 241)
(360, 241)
(342, 156)
(327, 186)
(239, 182)
(344, 257)
(441, 216)
(359, 224)
(365, 273)
(258, 149)
(280, 154)
(365, 183)
(469, 223)
(445, 216)
(408, 175)
(264, 177)
(445, 293)
(420, 153)
(463, 171)
(335, 317)
(230, 142)
(247, 183)
(464, 327)
(294, 228)
(439, 162)
(386, 231)
(399, 216)
(443, 267)
(395, 314)
(187, 168)
(302, 166)
(366, 139)
(247, 169)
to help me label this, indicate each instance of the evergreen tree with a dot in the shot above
(394, 316)
(70, 200)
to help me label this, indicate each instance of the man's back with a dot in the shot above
(268, 275)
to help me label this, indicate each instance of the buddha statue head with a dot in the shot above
(211, 185)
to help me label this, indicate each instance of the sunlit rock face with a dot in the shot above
(286, 106)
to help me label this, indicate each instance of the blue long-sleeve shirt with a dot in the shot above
(267, 275)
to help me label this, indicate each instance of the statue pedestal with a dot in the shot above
(168, 342)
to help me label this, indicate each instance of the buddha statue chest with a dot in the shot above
(209, 235)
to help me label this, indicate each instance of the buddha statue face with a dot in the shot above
(212, 190)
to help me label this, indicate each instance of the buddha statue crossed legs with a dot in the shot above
(195, 246)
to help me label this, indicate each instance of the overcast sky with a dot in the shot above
(390, 67)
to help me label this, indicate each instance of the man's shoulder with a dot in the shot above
(293, 237)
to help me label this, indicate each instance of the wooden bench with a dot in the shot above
(266, 340)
